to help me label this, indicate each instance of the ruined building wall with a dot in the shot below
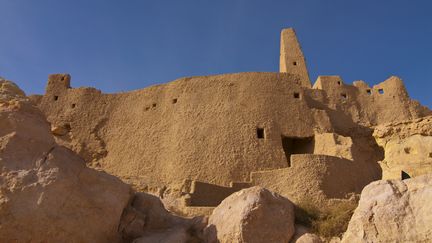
(189, 128)
(269, 129)
(206, 128)
(364, 105)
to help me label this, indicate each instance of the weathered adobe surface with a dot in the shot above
(233, 128)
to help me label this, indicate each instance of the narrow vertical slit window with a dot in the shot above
(260, 133)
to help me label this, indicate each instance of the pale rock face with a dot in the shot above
(47, 194)
(9, 88)
(252, 215)
(393, 211)
(412, 155)
(300, 230)
(407, 146)
(308, 238)
(146, 220)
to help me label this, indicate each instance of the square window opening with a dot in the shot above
(260, 133)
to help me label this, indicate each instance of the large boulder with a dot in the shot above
(308, 238)
(253, 215)
(393, 211)
(47, 194)
(147, 220)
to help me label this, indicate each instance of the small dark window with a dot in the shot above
(404, 175)
(296, 95)
(295, 63)
(368, 91)
(430, 155)
(339, 82)
(260, 133)
(154, 105)
(380, 91)
(67, 126)
(147, 108)
(56, 97)
(344, 96)
(174, 101)
(62, 78)
(73, 105)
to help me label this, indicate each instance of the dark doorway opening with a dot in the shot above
(404, 175)
(297, 145)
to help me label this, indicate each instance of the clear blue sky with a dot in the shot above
(123, 45)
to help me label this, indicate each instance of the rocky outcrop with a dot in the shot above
(9, 90)
(393, 211)
(308, 238)
(407, 146)
(146, 220)
(252, 215)
(47, 194)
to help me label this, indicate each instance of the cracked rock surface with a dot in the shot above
(47, 194)
(393, 211)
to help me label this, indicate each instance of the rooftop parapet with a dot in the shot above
(58, 83)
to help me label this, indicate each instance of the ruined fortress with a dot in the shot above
(206, 137)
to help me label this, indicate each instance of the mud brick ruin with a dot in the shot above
(196, 140)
